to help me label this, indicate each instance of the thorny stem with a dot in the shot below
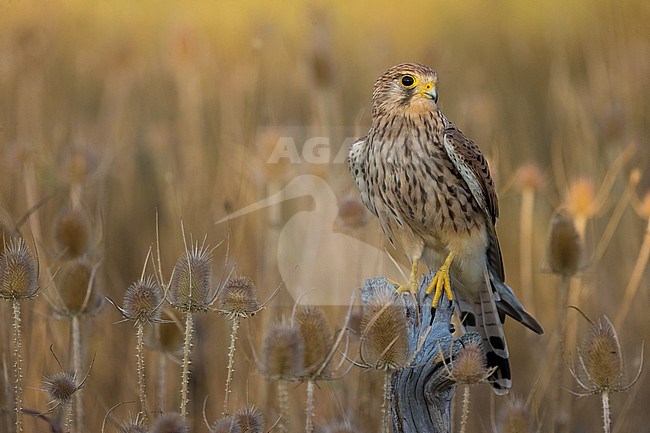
(76, 361)
(558, 407)
(141, 377)
(17, 367)
(309, 408)
(635, 279)
(185, 377)
(231, 364)
(526, 246)
(67, 415)
(283, 403)
(385, 406)
(465, 412)
(607, 423)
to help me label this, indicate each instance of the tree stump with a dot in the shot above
(422, 392)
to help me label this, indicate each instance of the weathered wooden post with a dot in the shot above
(421, 393)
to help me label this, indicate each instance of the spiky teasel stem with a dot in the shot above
(18, 280)
(385, 405)
(76, 362)
(464, 415)
(231, 363)
(189, 291)
(607, 423)
(141, 377)
(185, 375)
(309, 407)
(17, 366)
(283, 404)
(237, 299)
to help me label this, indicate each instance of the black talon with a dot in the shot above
(433, 315)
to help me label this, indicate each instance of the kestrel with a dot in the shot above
(430, 187)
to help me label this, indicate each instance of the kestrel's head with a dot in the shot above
(405, 88)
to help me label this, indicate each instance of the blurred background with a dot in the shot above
(179, 114)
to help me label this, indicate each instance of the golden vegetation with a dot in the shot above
(122, 122)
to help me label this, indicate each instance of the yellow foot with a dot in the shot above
(412, 284)
(441, 282)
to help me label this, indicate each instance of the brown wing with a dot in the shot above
(473, 168)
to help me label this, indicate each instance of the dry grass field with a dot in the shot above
(127, 127)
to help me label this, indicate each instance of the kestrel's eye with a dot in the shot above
(408, 81)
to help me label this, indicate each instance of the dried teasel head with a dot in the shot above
(72, 233)
(189, 289)
(170, 423)
(601, 361)
(18, 271)
(469, 366)
(143, 301)
(352, 212)
(317, 335)
(601, 356)
(284, 352)
(77, 288)
(60, 387)
(384, 340)
(225, 425)
(135, 425)
(238, 298)
(581, 198)
(515, 417)
(529, 177)
(249, 419)
(565, 246)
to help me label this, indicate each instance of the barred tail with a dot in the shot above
(481, 315)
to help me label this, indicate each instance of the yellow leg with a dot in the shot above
(441, 282)
(412, 284)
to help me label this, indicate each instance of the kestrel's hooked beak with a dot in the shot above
(429, 90)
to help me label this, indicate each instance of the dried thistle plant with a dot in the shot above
(61, 388)
(237, 299)
(600, 362)
(134, 425)
(225, 425)
(77, 296)
(564, 256)
(384, 343)
(468, 368)
(142, 304)
(18, 281)
(352, 212)
(284, 358)
(564, 246)
(515, 417)
(190, 292)
(72, 233)
(249, 419)
(318, 337)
